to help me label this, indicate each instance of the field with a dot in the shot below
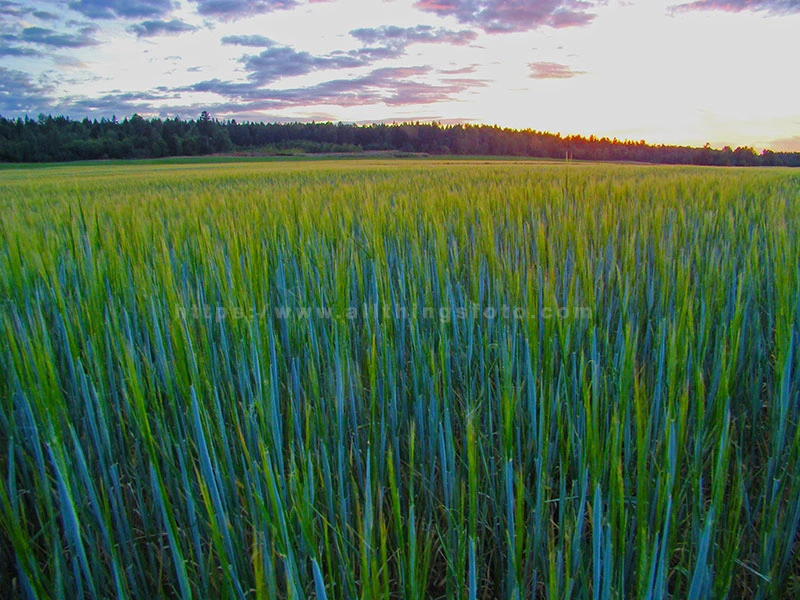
(399, 379)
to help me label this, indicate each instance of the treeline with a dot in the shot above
(49, 139)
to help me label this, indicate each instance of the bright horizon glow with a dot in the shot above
(638, 69)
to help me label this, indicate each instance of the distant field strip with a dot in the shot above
(399, 379)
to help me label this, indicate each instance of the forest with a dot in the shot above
(59, 139)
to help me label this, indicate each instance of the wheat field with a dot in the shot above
(399, 379)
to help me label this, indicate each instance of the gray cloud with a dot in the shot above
(255, 41)
(12, 9)
(18, 51)
(277, 62)
(223, 88)
(19, 94)
(392, 36)
(43, 15)
(390, 86)
(234, 9)
(154, 28)
(50, 37)
(496, 16)
(121, 103)
(69, 61)
(773, 7)
(17, 11)
(551, 70)
(109, 9)
(392, 42)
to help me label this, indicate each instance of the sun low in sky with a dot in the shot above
(666, 71)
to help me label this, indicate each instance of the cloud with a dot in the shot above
(772, 7)
(382, 43)
(369, 55)
(277, 62)
(17, 51)
(234, 9)
(496, 16)
(393, 86)
(50, 37)
(69, 62)
(19, 11)
(21, 95)
(43, 15)
(401, 86)
(223, 88)
(392, 36)
(551, 70)
(255, 41)
(154, 28)
(12, 9)
(109, 9)
(458, 70)
(120, 103)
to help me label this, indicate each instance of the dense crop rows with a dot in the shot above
(405, 380)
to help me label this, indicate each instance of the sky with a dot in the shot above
(685, 72)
